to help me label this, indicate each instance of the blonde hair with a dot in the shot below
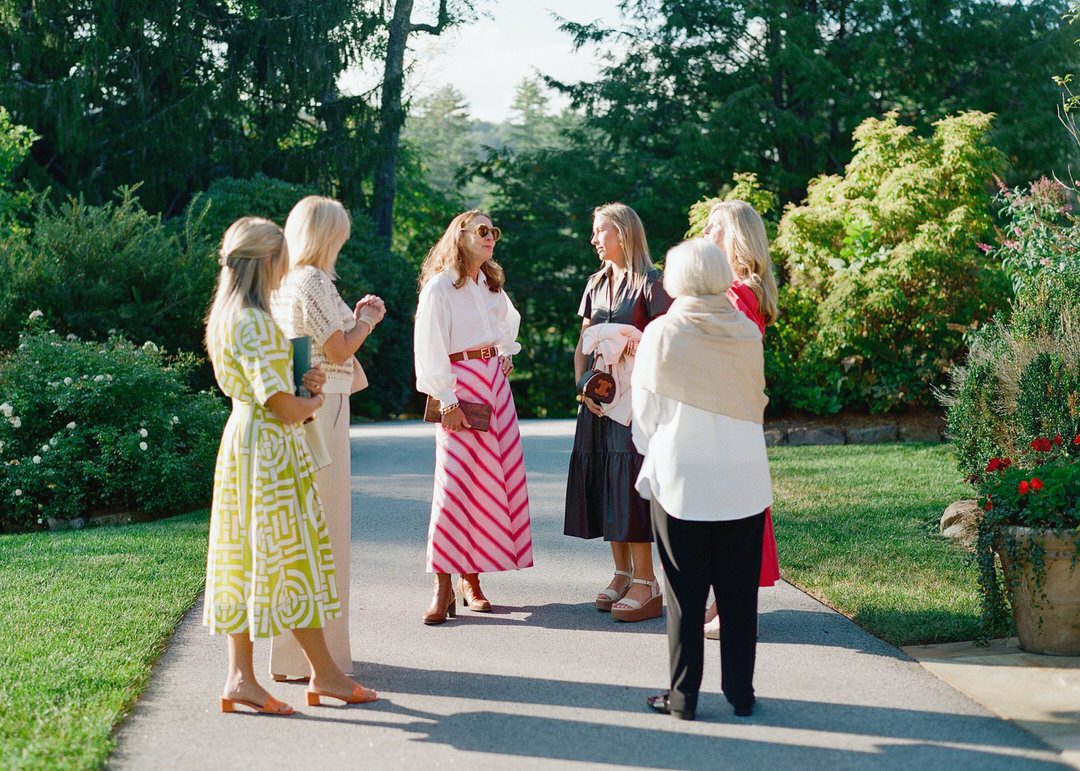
(316, 229)
(632, 241)
(448, 253)
(253, 257)
(747, 249)
(696, 268)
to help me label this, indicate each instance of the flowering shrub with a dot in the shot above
(92, 428)
(1039, 235)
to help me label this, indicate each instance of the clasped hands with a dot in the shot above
(370, 309)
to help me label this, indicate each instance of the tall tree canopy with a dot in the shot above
(177, 93)
(710, 87)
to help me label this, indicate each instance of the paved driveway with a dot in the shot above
(546, 680)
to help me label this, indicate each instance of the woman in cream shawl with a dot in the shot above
(698, 400)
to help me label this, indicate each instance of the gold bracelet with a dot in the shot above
(447, 410)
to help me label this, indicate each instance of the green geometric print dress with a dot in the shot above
(269, 567)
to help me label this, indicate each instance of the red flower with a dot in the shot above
(1036, 483)
(1057, 440)
(1041, 445)
(1076, 439)
(1023, 487)
(998, 464)
(989, 504)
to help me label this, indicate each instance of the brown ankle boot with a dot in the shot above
(443, 602)
(472, 596)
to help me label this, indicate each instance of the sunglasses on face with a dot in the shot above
(486, 230)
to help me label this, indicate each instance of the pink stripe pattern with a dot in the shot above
(480, 506)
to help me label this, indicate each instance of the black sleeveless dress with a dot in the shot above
(600, 495)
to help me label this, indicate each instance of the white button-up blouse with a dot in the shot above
(450, 320)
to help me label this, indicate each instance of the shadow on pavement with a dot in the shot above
(792, 714)
(671, 745)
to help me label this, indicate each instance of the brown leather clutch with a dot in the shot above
(478, 415)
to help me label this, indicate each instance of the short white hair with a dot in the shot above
(697, 268)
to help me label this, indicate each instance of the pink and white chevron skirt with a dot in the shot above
(480, 507)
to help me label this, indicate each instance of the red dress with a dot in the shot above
(744, 299)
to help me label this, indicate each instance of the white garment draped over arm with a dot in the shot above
(608, 341)
(450, 320)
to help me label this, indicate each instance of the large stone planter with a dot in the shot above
(1047, 616)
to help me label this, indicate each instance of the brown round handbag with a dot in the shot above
(598, 386)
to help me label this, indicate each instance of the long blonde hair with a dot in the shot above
(632, 241)
(747, 249)
(316, 229)
(253, 257)
(449, 253)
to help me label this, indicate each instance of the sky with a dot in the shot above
(486, 59)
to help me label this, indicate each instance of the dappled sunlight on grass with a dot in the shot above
(856, 527)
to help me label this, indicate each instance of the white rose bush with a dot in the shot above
(101, 428)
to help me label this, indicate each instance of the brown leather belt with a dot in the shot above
(485, 353)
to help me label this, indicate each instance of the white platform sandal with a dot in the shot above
(640, 611)
(608, 596)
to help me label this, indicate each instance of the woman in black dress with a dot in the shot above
(600, 495)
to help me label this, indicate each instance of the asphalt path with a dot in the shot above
(546, 680)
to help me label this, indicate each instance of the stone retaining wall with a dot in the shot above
(871, 433)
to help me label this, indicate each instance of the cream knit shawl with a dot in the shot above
(705, 353)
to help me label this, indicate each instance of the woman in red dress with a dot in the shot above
(738, 229)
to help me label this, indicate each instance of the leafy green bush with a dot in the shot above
(95, 271)
(92, 428)
(1021, 380)
(15, 142)
(887, 256)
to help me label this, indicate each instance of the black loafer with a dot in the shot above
(745, 710)
(662, 704)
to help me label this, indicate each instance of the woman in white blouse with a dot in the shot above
(699, 399)
(466, 332)
(308, 304)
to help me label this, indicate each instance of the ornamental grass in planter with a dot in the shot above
(1014, 420)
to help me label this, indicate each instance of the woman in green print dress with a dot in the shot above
(269, 567)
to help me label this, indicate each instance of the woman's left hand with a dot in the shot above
(314, 380)
(507, 364)
(630, 349)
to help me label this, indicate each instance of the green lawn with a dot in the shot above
(856, 527)
(83, 616)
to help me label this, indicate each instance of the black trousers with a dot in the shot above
(725, 555)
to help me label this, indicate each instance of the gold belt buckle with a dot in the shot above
(486, 353)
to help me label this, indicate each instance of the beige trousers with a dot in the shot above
(334, 485)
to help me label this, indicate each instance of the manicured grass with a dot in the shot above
(856, 527)
(83, 617)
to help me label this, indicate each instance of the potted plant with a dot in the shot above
(1013, 419)
(1032, 525)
